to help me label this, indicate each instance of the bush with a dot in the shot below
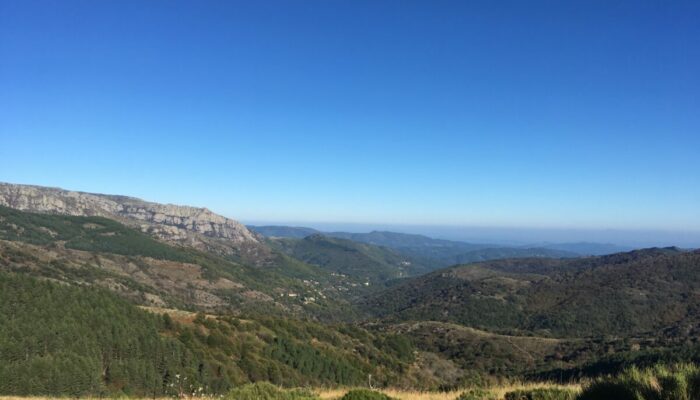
(541, 394)
(680, 382)
(365, 394)
(268, 391)
(477, 394)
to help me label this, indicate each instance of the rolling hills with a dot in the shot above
(373, 265)
(625, 294)
(430, 252)
(311, 309)
(586, 248)
(443, 253)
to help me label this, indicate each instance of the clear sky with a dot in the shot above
(531, 114)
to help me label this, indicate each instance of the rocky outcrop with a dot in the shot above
(189, 225)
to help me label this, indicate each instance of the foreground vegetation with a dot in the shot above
(676, 382)
(78, 341)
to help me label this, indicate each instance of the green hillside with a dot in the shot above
(433, 253)
(65, 340)
(76, 341)
(636, 293)
(364, 262)
(84, 233)
(306, 317)
(499, 253)
(438, 253)
(100, 251)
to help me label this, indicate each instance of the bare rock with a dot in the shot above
(184, 224)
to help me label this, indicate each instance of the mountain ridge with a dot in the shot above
(434, 253)
(185, 225)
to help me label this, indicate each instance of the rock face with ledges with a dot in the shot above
(190, 225)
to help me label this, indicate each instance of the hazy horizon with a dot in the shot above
(503, 235)
(517, 236)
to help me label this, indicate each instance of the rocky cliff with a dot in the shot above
(193, 226)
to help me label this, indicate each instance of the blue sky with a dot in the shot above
(537, 114)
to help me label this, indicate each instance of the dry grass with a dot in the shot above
(89, 398)
(332, 394)
(75, 398)
(499, 391)
(400, 394)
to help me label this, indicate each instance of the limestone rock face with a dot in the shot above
(166, 221)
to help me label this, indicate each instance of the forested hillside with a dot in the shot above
(66, 340)
(500, 253)
(370, 264)
(74, 341)
(97, 250)
(428, 252)
(636, 293)
(284, 320)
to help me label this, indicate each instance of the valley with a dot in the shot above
(224, 306)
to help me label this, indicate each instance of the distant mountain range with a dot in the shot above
(278, 231)
(586, 248)
(440, 252)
